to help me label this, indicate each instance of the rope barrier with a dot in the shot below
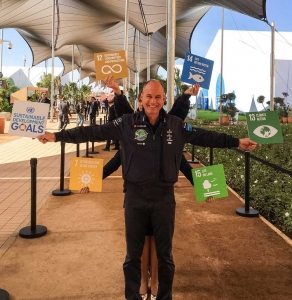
(267, 163)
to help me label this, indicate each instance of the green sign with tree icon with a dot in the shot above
(209, 182)
(264, 127)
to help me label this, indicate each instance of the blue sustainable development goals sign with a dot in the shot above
(197, 69)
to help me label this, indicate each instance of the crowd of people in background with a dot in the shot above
(85, 110)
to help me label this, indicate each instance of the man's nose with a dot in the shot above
(152, 100)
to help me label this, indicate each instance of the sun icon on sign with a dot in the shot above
(86, 178)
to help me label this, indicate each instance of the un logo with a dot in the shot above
(30, 110)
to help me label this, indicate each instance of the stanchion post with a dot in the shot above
(100, 121)
(87, 150)
(62, 191)
(77, 150)
(33, 231)
(92, 149)
(247, 211)
(193, 160)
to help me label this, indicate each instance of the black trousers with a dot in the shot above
(146, 206)
(92, 119)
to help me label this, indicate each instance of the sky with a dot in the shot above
(278, 11)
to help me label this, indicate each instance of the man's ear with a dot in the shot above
(165, 102)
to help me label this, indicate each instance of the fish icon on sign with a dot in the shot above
(196, 77)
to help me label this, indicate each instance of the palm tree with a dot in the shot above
(7, 87)
(45, 81)
(75, 94)
(261, 100)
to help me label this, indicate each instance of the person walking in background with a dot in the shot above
(80, 109)
(118, 106)
(44, 99)
(92, 111)
(64, 113)
(110, 118)
(87, 104)
(152, 144)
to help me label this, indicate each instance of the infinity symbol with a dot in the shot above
(106, 69)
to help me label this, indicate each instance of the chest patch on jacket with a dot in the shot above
(169, 137)
(141, 135)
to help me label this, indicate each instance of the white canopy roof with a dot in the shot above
(98, 25)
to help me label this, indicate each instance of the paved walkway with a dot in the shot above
(15, 174)
(218, 254)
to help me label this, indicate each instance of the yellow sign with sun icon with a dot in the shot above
(86, 172)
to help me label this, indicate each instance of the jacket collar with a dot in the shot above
(140, 118)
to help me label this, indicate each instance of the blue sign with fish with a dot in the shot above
(197, 69)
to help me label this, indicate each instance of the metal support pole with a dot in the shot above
(246, 211)
(272, 67)
(126, 38)
(138, 69)
(72, 64)
(171, 35)
(33, 231)
(53, 62)
(148, 56)
(193, 160)
(221, 62)
(87, 150)
(33, 165)
(92, 149)
(1, 52)
(62, 191)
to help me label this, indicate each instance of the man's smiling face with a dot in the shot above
(153, 99)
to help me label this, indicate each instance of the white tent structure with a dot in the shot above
(20, 79)
(247, 66)
(97, 25)
(153, 32)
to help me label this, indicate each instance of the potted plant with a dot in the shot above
(282, 109)
(228, 108)
(288, 110)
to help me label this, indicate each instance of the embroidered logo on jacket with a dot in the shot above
(117, 121)
(141, 135)
(169, 138)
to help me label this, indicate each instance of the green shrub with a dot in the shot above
(270, 190)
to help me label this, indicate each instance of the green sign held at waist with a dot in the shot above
(209, 182)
